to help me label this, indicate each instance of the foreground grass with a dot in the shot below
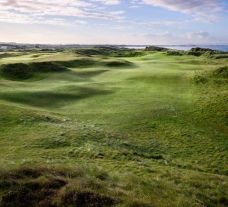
(149, 133)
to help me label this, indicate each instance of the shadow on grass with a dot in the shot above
(89, 74)
(49, 99)
(79, 63)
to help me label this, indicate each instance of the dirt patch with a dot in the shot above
(29, 187)
(87, 199)
(33, 193)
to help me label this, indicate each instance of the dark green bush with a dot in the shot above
(174, 52)
(201, 51)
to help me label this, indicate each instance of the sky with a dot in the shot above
(140, 22)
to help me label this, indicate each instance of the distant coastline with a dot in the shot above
(223, 48)
(12, 45)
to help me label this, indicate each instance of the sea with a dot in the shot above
(183, 47)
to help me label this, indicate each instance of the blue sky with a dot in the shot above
(114, 21)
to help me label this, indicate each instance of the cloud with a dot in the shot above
(200, 9)
(109, 2)
(27, 11)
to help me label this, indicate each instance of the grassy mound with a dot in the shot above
(80, 63)
(17, 71)
(46, 67)
(218, 75)
(119, 63)
(22, 71)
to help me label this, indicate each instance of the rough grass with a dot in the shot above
(146, 135)
(221, 72)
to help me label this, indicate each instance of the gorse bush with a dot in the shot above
(174, 52)
(201, 51)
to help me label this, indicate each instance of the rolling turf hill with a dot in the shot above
(108, 127)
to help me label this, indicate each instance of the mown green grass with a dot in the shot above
(149, 134)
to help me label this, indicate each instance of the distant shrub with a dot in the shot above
(194, 53)
(174, 53)
(88, 52)
(201, 51)
(17, 71)
(156, 48)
